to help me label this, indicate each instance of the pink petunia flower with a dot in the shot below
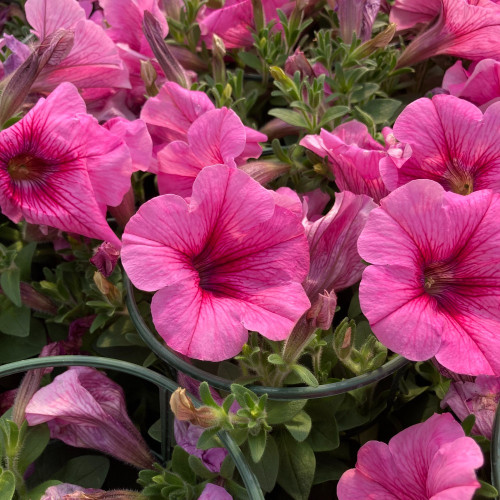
(216, 137)
(433, 460)
(480, 84)
(434, 286)
(86, 409)
(60, 168)
(451, 142)
(354, 157)
(93, 61)
(464, 28)
(222, 264)
(479, 398)
(214, 492)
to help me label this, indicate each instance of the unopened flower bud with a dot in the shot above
(106, 495)
(149, 76)
(264, 171)
(105, 259)
(378, 42)
(36, 301)
(322, 311)
(218, 64)
(124, 211)
(107, 288)
(215, 4)
(185, 411)
(168, 63)
(299, 62)
(258, 15)
(276, 128)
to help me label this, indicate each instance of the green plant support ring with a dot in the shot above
(283, 393)
(164, 385)
(495, 451)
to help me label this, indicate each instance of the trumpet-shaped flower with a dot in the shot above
(60, 168)
(480, 84)
(452, 143)
(86, 409)
(354, 157)
(433, 460)
(464, 28)
(434, 286)
(479, 398)
(222, 264)
(93, 61)
(406, 13)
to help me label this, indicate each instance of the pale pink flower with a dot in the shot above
(480, 84)
(434, 286)
(214, 492)
(62, 491)
(464, 28)
(479, 398)
(354, 157)
(407, 13)
(93, 60)
(222, 264)
(216, 137)
(433, 460)
(59, 167)
(86, 409)
(451, 142)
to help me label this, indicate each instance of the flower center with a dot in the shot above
(25, 167)
(460, 180)
(438, 277)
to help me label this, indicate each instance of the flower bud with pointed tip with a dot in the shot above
(265, 171)
(149, 76)
(35, 300)
(322, 311)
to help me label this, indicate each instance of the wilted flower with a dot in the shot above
(222, 264)
(434, 286)
(62, 491)
(451, 142)
(185, 411)
(105, 259)
(479, 398)
(86, 409)
(354, 157)
(433, 459)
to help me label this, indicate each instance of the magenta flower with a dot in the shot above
(434, 286)
(60, 168)
(216, 137)
(433, 460)
(222, 264)
(354, 157)
(480, 84)
(480, 398)
(93, 60)
(214, 492)
(452, 143)
(463, 28)
(86, 409)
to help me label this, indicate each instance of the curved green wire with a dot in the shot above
(283, 393)
(495, 451)
(162, 382)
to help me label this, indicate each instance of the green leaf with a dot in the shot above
(17, 348)
(14, 321)
(275, 359)
(297, 466)
(257, 445)
(328, 468)
(7, 485)
(468, 424)
(279, 412)
(332, 113)
(227, 468)
(486, 490)
(35, 441)
(181, 466)
(364, 92)
(37, 492)
(9, 281)
(245, 397)
(206, 396)
(23, 260)
(381, 110)
(266, 470)
(209, 440)
(300, 426)
(289, 116)
(324, 435)
(305, 375)
(88, 471)
(199, 469)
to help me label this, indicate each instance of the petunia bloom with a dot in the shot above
(354, 157)
(433, 460)
(214, 492)
(464, 28)
(451, 142)
(434, 286)
(60, 168)
(479, 84)
(86, 409)
(222, 264)
(479, 398)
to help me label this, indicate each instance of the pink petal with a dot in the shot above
(407, 13)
